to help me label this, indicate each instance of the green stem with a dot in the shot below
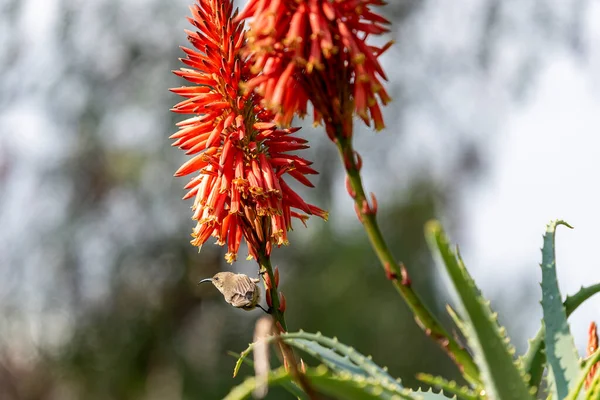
(265, 268)
(425, 319)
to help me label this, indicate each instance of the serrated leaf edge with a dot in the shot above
(451, 260)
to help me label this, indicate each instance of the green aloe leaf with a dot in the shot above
(502, 378)
(461, 392)
(244, 390)
(534, 359)
(428, 395)
(340, 386)
(335, 355)
(560, 346)
(290, 386)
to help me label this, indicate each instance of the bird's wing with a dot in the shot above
(244, 285)
(243, 292)
(240, 301)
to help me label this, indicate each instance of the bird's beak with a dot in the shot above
(205, 280)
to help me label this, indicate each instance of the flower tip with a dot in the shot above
(319, 212)
(193, 242)
(379, 126)
(230, 257)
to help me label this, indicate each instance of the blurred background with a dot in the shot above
(493, 129)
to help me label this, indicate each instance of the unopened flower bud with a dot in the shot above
(374, 204)
(278, 325)
(282, 302)
(365, 209)
(357, 211)
(359, 162)
(349, 188)
(268, 298)
(276, 276)
(267, 280)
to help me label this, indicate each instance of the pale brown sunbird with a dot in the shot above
(239, 290)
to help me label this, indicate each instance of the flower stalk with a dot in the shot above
(271, 281)
(396, 272)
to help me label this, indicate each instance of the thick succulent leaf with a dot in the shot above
(560, 345)
(326, 355)
(578, 383)
(347, 386)
(335, 355)
(500, 375)
(244, 390)
(428, 395)
(327, 345)
(461, 392)
(572, 302)
(534, 359)
(290, 386)
(340, 386)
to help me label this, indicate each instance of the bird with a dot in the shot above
(239, 290)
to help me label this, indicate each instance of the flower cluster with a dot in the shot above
(317, 51)
(238, 152)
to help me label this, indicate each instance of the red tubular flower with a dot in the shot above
(316, 50)
(239, 153)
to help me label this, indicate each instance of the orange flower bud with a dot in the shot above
(268, 298)
(374, 205)
(349, 188)
(267, 280)
(278, 325)
(359, 161)
(282, 303)
(276, 276)
(365, 209)
(357, 211)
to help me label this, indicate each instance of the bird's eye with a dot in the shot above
(216, 279)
